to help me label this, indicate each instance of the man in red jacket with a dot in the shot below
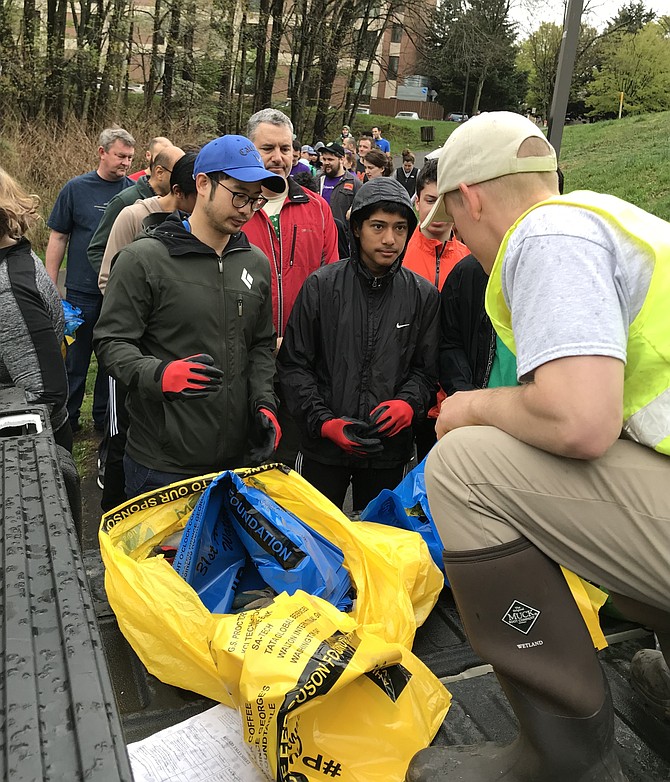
(295, 229)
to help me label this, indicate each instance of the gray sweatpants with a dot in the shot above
(608, 519)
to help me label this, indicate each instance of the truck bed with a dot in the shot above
(479, 711)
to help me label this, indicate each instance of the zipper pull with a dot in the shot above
(220, 260)
(239, 307)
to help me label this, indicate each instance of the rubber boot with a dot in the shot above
(520, 616)
(650, 678)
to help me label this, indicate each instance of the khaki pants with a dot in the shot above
(608, 520)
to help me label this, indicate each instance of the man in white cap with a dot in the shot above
(186, 326)
(569, 468)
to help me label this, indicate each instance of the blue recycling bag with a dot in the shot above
(235, 528)
(211, 556)
(73, 318)
(406, 507)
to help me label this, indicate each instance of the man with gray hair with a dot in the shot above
(295, 229)
(73, 220)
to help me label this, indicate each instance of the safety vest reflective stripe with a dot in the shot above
(649, 425)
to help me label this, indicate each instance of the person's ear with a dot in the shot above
(356, 230)
(203, 184)
(471, 196)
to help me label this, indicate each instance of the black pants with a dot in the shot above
(366, 482)
(425, 437)
(289, 445)
(114, 491)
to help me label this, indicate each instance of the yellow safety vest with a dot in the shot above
(646, 409)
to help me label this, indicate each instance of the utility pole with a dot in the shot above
(566, 66)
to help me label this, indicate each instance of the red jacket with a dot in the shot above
(432, 259)
(308, 241)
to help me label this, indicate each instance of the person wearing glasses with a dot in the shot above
(186, 326)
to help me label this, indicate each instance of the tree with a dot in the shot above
(637, 64)
(539, 57)
(469, 41)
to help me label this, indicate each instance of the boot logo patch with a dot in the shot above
(521, 617)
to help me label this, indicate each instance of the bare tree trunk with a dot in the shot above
(110, 81)
(241, 79)
(129, 54)
(154, 63)
(30, 97)
(188, 40)
(261, 49)
(278, 23)
(170, 59)
(55, 82)
(225, 114)
(478, 92)
(340, 23)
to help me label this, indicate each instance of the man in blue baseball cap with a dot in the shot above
(187, 327)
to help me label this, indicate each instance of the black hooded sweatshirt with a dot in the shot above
(354, 340)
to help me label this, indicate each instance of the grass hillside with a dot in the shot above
(629, 158)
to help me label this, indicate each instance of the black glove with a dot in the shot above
(265, 436)
(189, 378)
(352, 436)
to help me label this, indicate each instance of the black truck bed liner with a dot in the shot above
(59, 715)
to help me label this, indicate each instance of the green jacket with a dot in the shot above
(96, 249)
(170, 296)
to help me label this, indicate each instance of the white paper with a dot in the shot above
(206, 748)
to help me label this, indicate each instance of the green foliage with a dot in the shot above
(637, 64)
(538, 56)
(471, 43)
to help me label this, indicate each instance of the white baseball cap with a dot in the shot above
(485, 147)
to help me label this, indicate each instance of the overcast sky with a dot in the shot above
(531, 13)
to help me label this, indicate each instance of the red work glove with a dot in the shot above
(391, 417)
(189, 378)
(350, 435)
(266, 436)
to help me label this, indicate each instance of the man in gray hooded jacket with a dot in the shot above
(358, 363)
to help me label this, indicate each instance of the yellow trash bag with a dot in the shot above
(322, 694)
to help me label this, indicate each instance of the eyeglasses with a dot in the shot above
(241, 200)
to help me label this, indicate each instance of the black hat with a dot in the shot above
(334, 148)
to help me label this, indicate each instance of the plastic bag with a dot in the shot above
(73, 318)
(406, 507)
(232, 519)
(322, 693)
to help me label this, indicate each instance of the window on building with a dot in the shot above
(396, 33)
(392, 70)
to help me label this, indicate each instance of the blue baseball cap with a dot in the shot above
(239, 158)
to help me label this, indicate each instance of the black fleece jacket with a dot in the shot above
(467, 338)
(170, 296)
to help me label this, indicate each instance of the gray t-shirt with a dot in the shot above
(574, 283)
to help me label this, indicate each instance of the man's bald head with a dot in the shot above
(161, 168)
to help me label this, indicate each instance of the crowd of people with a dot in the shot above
(259, 299)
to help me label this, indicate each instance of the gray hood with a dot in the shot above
(384, 189)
